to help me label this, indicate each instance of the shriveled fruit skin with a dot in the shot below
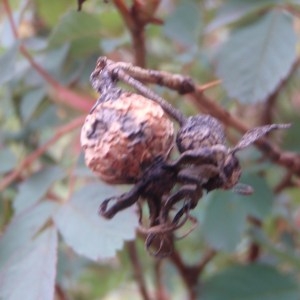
(200, 131)
(122, 137)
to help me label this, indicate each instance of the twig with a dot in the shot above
(284, 183)
(125, 13)
(253, 252)
(191, 274)
(136, 30)
(62, 94)
(188, 274)
(60, 294)
(10, 18)
(137, 268)
(207, 257)
(7, 180)
(53, 197)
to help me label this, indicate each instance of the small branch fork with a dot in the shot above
(136, 19)
(190, 274)
(185, 85)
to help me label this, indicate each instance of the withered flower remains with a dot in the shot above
(127, 138)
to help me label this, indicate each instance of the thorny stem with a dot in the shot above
(62, 131)
(137, 268)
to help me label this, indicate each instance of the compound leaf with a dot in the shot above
(256, 58)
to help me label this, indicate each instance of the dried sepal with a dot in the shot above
(198, 132)
(255, 134)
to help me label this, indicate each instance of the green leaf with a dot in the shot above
(256, 58)
(50, 11)
(232, 210)
(30, 102)
(28, 255)
(224, 220)
(30, 273)
(53, 60)
(8, 63)
(89, 234)
(183, 25)
(252, 282)
(36, 186)
(296, 2)
(234, 10)
(23, 228)
(75, 26)
(85, 47)
(7, 160)
(259, 204)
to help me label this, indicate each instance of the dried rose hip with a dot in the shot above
(122, 136)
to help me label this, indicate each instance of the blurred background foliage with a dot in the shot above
(53, 244)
